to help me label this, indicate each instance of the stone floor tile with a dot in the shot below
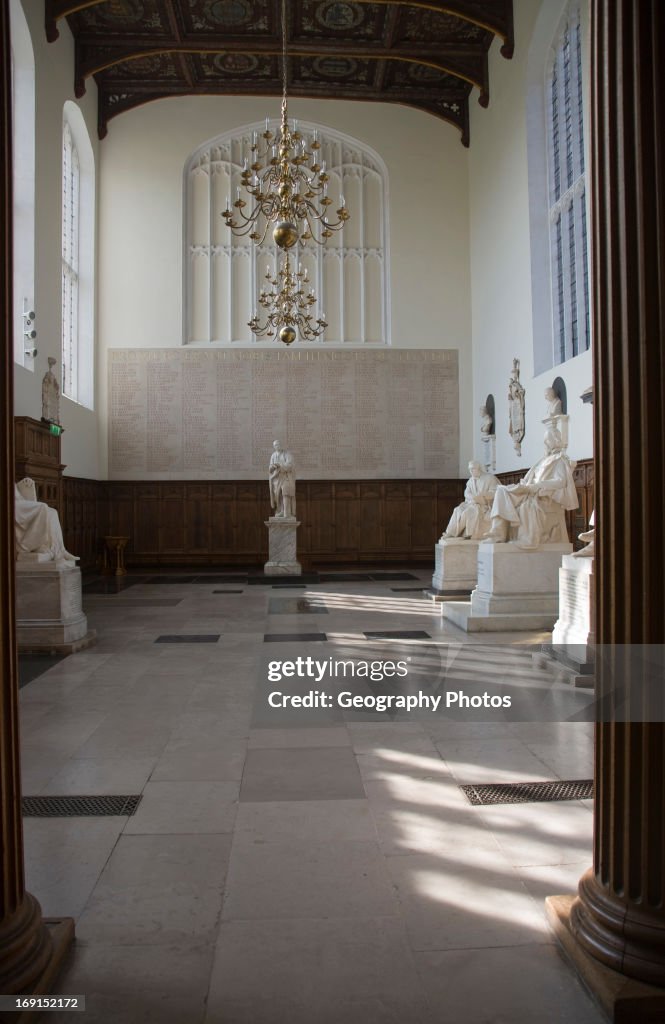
(306, 773)
(321, 821)
(172, 808)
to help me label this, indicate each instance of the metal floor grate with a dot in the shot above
(79, 806)
(529, 792)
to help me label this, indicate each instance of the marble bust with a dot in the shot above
(485, 422)
(50, 395)
(37, 528)
(282, 482)
(535, 507)
(470, 519)
(554, 407)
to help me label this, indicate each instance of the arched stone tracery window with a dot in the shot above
(223, 273)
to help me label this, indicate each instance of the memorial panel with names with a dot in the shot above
(202, 414)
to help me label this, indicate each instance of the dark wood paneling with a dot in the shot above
(82, 524)
(37, 455)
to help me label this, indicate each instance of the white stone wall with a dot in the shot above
(53, 86)
(500, 246)
(141, 219)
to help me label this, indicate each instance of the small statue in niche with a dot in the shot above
(50, 395)
(282, 482)
(516, 393)
(554, 407)
(486, 422)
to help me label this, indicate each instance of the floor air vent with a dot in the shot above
(529, 792)
(79, 806)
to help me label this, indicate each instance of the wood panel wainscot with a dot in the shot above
(222, 522)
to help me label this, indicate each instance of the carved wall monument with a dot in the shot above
(516, 422)
(201, 414)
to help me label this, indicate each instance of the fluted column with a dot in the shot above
(619, 915)
(28, 950)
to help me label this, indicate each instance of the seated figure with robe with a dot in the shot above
(37, 527)
(532, 512)
(470, 519)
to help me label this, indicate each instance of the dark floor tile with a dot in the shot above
(393, 577)
(140, 602)
(185, 638)
(170, 579)
(410, 590)
(289, 586)
(221, 579)
(402, 634)
(287, 581)
(295, 606)
(228, 591)
(273, 638)
(304, 773)
(345, 577)
(112, 585)
(31, 666)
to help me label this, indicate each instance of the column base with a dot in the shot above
(625, 1000)
(61, 931)
(32, 953)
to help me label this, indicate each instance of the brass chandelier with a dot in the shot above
(289, 190)
(288, 304)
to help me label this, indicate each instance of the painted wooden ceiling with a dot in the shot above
(428, 55)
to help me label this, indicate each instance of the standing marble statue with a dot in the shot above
(536, 506)
(516, 393)
(37, 526)
(471, 519)
(50, 395)
(282, 482)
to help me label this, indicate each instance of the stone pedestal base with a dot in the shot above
(571, 655)
(49, 613)
(282, 547)
(517, 590)
(625, 1000)
(455, 568)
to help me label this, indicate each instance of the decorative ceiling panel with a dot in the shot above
(428, 55)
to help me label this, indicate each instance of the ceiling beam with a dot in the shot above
(502, 26)
(438, 57)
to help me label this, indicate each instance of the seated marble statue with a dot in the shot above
(532, 512)
(470, 520)
(37, 526)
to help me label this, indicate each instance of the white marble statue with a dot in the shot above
(516, 422)
(50, 395)
(37, 526)
(589, 538)
(471, 519)
(485, 422)
(282, 481)
(554, 407)
(535, 507)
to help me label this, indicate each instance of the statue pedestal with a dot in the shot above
(571, 654)
(282, 547)
(517, 590)
(456, 567)
(488, 442)
(49, 613)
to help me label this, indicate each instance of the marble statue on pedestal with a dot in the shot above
(471, 519)
(37, 527)
(535, 508)
(50, 395)
(282, 482)
(516, 422)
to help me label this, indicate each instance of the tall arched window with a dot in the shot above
(223, 273)
(567, 192)
(23, 143)
(78, 205)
